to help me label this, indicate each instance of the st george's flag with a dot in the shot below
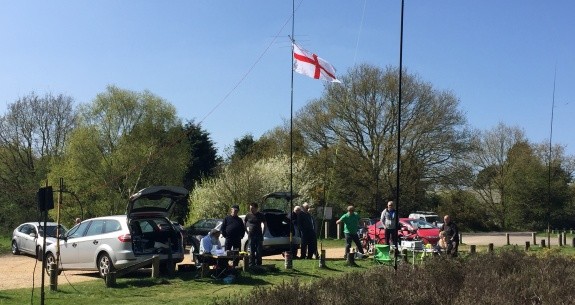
(313, 66)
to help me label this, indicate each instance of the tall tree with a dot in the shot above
(360, 119)
(124, 141)
(32, 132)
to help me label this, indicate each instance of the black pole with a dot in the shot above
(398, 161)
(549, 174)
(291, 142)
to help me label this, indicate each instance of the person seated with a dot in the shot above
(209, 246)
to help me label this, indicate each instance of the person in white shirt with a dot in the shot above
(209, 241)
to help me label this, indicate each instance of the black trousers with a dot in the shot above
(235, 243)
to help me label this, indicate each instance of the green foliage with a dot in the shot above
(245, 181)
(125, 141)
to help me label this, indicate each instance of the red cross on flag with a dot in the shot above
(313, 66)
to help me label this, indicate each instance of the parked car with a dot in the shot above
(275, 208)
(111, 243)
(428, 216)
(29, 237)
(199, 229)
(409, 229)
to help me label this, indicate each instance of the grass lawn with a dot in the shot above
(184, 288)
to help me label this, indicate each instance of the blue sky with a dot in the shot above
(227, 64)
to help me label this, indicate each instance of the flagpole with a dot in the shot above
(289, 258)
(398, 161)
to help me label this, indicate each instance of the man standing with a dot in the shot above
(388, 221)
(253, 222)
(306, 225)
(351, 224)
(233, 230)
(451, 236)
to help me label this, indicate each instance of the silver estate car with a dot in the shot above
(111, 243)
(29, 237)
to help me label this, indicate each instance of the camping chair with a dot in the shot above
(381, 254)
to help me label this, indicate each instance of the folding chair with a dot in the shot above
(381, 254)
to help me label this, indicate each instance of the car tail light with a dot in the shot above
(125, 238)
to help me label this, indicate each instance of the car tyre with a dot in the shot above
(105, 265)
(15, 249)
(51, 259)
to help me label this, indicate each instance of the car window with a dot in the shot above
(97, 227)
(78, 230)
(27, 229)
(111, 225)
(147, 227)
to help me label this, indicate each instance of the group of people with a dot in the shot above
(304, 224)
(233, 230)
(449, 233)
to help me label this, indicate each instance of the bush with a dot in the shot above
(508, 277)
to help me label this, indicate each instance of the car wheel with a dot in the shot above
(105, 265)
(51, 259)
(15, 249)
(39, 255)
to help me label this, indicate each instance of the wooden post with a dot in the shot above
(543, 243)
(460, 238)
(322, 259)
(573, 242)
(526, 246)
(534, 238)
(560, 239)
(53, 277)
(490, 248)
(245, 262)
(471, 249)
(565, 238)
(507, 237)
(155, 266)
(351, 257)
(110, 279)
(339, 231)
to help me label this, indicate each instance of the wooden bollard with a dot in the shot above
(565, 238)
(560, 239)
(460, 238)
(156, 266)
(526, 246)
(543, 243)
(490, 248)
(322, 259)
(351, 258)
(534, 238)
(507, 238)
(573, 242)
(471, 249)
(110, 279)
(53, 277)
(245, 263)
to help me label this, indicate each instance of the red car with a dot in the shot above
(410, 229)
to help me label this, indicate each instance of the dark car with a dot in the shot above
(199, 229)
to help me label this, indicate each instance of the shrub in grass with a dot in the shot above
(508, 277)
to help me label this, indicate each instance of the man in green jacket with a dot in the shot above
(350, 222)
